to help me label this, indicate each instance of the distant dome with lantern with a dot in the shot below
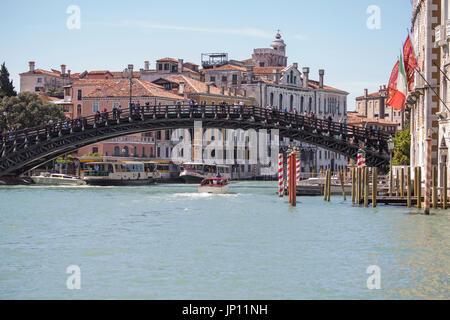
(278, 43)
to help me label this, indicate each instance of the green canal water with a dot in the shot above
(169, 242)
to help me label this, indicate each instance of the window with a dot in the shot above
(224, 78)
(79, 95)
(94, 149)
(79, 110)
(125, 151)
(160, 66)
(292, 76)
(158, 152)
(39, 80)
(143, 152)
(166, 66)
(135, 151)
(271, 98)
(95, 107)
(291, 102)
(261, 64)
(116, 151)
(37, 89)
(301, 104)
(158, 136)
(167, 152)
(212, 79)
(167, 134)
(281, 100)
(151, 152)
(234, 79)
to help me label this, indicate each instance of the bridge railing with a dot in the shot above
(14, 140)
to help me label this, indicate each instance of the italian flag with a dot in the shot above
(398, 99)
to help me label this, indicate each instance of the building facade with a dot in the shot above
(373, 107)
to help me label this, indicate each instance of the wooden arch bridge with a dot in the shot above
(26, 149)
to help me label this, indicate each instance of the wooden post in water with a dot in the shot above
(325, 187)
(419, 187)
(444, 187)
(366, 187)
(341, 178)
(408, 188)
(374, 187)
(434, 188)
(353, 185)
(402, 182)
(391, 173)
(329, 187)
(358, 186)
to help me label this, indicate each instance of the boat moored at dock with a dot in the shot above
(126, 173)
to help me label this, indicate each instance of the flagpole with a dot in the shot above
(432, 89)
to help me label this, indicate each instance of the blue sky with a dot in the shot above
(327, 34)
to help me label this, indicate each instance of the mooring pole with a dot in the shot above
(434, 188)
(374, 187)
(341, 178)
(325, 186)
(444, 188)
(408, 191)
(329, 187)
(402, 182)
(366, 187)
(353, 185)
(428, 175)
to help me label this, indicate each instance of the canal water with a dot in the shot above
(169, 242)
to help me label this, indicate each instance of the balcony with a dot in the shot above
(447, 29)
(439, 36)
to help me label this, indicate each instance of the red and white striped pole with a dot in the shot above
(298, 169)
(428, 142)
(288, 170)
(280, 175)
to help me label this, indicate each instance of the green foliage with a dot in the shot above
(402, 147)
(53, 92)
(6, 85)
(27, 110)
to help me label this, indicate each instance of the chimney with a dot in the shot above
(63, 69)
(208, 88)
(146, 65)
(305, 78)
(181, 88)
(277, 76)
(366, 92)
(295, 64)
(130, 71)
(249, 73)
(321, 74)
(68, 73)
(180, 65)
(31, 64)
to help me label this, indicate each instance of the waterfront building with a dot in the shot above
(269, 79)
(372, 106)
(169, 66)
(40, 80)
(423, 103)
(441, 50)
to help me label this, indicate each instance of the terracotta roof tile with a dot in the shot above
(120, 88)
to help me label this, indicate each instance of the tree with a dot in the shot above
(402, 147)
(6, 85)
(27, 110)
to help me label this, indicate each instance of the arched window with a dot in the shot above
(116, 151)
(301, 104)
(310, 104)
(281, 100)
(271, 98)
(291, 102)
(125, 151)
(292, 76)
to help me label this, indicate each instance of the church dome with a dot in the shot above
(278, 42)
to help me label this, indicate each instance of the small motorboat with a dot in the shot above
(214, 185)
(56, 179)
